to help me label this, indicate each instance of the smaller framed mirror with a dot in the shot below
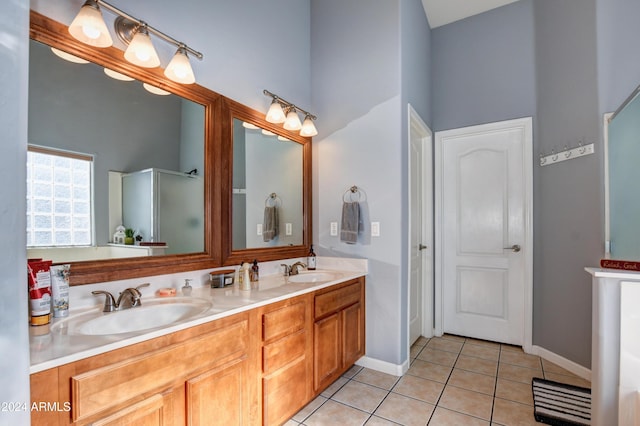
(269, 190)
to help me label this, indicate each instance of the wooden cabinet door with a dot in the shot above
(352, 334)
(219, 396)
(285, 392)
(157, 410)
(326, 351)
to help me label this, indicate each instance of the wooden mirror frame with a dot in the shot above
(55, 34)
(231, 110)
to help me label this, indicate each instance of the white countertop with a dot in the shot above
(613, 273)
(54, 345)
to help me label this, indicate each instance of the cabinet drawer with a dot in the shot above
(108, 387)
(283, 351)
(282, 322)
(335, 300)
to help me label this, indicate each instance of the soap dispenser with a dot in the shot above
(186, 289)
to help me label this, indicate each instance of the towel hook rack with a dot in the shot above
(273, 199)
(351, 191)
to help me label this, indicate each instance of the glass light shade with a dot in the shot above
(249, 126)
(179, 69)
(308, 128)
(155, 90)
(283, 139)
(267, 132)
(116, 75)
(292, 121)
(68, 56)
(141, 51)
(275, 113)
(89, 27)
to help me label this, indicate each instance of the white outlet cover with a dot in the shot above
(334, 229)
(375, 229)
(288, 229)
(259, 229)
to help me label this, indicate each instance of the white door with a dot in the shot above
(484, 186)
(421, 225)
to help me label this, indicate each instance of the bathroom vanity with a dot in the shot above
(253, 358)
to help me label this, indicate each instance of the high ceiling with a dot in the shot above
(442, 12)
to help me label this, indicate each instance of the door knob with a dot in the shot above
(421, 247)
(515, 248)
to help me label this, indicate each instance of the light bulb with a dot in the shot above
(275, 113)
(88, 26)
(141, 51)
(308, 128)
(292, 122)
(179, 69)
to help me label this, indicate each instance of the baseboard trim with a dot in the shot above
(568, 365)
(400, 369)
(383, 366)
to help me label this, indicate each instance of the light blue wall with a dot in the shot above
(369, 59)
(568, 209)
(14, 345)
(484, 68)
(356, 92)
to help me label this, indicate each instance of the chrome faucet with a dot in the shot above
(287, 270)
(293, 269)
(128, 298)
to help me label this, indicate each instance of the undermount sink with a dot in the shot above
(312, 277)
(151, 314)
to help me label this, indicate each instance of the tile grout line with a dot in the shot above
(447, 382)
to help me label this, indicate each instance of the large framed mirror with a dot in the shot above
(142, 149)
(267, 194)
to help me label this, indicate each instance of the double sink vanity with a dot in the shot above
(218, 356)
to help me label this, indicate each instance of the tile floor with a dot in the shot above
(452, 381)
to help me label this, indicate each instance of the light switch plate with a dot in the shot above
(287, 229)
(375, 229)
(259, 229)
(334, 229)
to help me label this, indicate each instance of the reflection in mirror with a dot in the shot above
(147, 162)
(624, 174)
(267, 189)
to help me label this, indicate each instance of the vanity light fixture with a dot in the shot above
(140, 50)
(89, 27)
(291, 120)
(276, 113)
(308, 128)
(179, 69)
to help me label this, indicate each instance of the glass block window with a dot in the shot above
(59, 203)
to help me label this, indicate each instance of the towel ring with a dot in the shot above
(350, 192)
(274, 200)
